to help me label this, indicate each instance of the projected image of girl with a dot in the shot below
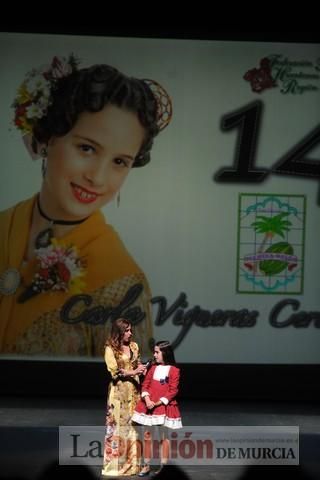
(65, 273)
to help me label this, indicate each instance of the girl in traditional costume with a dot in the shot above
(158, 405)
(65, 275)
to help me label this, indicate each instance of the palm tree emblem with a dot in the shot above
(278, 256)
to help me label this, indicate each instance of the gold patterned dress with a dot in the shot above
(120, 445)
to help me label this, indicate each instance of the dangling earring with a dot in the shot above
(44, 167)
(118, 200)
(44, 154)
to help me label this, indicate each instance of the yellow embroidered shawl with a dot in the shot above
(35, 327)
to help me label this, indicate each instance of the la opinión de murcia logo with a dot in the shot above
(197, 445)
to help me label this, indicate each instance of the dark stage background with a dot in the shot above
(199, 381)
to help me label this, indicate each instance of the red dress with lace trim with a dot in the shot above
(161, 383)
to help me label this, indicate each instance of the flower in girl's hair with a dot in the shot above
(59, 269)
(34, 94)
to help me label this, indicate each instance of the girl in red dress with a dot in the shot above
(158, 404)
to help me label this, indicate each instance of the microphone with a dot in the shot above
(148, 363)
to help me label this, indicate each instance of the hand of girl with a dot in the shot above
(149, 403)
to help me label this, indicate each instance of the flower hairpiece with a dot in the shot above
(59, 269)
(34, 94)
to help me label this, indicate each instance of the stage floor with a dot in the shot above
(29, 434)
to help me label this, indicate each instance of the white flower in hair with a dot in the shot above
(34, 94)
(34, 111)
(37, 84)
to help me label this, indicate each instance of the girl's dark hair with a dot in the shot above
(167, 352)
(90, 90)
